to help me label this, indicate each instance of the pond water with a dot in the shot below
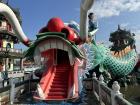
(132, 93)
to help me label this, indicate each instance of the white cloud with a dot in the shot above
(108, 8)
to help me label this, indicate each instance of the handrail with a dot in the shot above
(70, 82)
(75, 72)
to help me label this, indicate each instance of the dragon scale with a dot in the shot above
(117, 66)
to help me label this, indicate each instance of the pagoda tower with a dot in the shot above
(122, 40)
(8, 39)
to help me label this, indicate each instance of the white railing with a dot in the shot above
(15, 74)
(11, 50)
(105, 95)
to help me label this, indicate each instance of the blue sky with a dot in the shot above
(36, 13)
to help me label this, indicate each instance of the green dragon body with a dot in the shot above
(117, 66)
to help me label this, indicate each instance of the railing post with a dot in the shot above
(116, 91)
(94, 75)
(101, 81)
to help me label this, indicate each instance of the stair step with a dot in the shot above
(60, 77)
(63, 65)
(57, 76)
(58, 86)
(56, 81)
(56, 97)
(60, 71)
(63, 68)
(63, 84)
(61, 74)
(58, 90)
(66, 69)
(57, 94)
(59, 82)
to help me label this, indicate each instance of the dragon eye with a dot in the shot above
(65, 31)
(71, 35)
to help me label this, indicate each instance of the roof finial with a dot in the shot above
(119, 28)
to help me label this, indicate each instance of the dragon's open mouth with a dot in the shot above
(58, 56)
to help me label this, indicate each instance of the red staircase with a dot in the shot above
(59, 87)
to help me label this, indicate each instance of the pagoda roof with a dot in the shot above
(120, 31)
